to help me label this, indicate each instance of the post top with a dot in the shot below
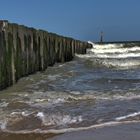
(2, 21)
(3, 24)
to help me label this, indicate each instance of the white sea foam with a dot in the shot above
(3, 125)
(113, 55)
(67, 119)
(4, 104)
(113, 63)
(40, 115)
(112, 51)
(23, 113)
(75, 92)
(53, 77)
(93, 44)
(128, 55)
(15, 113)
(127, 116)
(107, 46)
(115, 50)
(58, 100)
(61, 65)
(116, 95)
(122, 64)
(58, 119)
(40, 100)
(51, 98)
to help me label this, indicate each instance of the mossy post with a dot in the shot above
(24, 51)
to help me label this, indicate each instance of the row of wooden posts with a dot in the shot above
(25, 50)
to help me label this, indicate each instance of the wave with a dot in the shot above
(91, 96)
(115, 50)
(123, 63)
(118, 56)
(33, 120)
(68, 130)
(112, 56)
(50, 98)
(58, 119)
(120, 63)
(107, 46)
(127, 116)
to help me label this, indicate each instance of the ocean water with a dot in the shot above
(99, 88)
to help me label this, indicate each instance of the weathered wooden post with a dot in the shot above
(26, 50)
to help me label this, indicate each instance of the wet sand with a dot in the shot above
(119, 132)
(32, 136)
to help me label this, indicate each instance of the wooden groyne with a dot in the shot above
(25, 50)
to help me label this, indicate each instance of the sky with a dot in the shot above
(119, 20)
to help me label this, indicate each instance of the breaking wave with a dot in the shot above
(114, 55)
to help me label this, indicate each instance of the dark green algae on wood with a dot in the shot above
(25, 50)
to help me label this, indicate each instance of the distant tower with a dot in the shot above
(101, 39)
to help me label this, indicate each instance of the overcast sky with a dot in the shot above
(80, 19)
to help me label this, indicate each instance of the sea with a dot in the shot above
(96, 89)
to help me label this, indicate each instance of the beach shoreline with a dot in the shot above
(124, 131)
(130, 131)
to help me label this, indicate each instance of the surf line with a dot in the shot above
(68, 130)
(127, 116)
